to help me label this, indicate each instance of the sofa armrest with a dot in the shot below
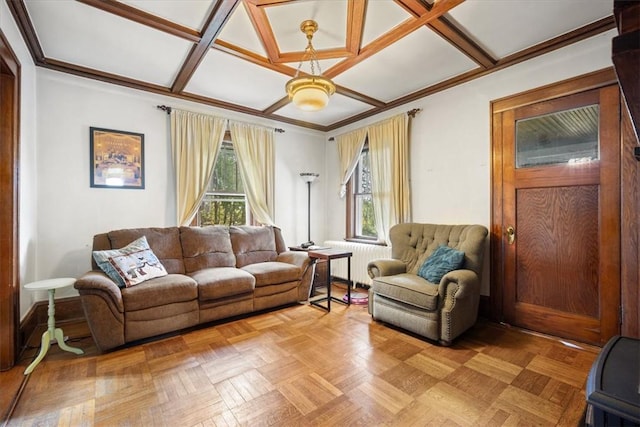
(307, 268)
(103, 307)
(385, 267)
(297, 258)
(98, 283)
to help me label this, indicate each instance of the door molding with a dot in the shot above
(594, 80)
(9, 166)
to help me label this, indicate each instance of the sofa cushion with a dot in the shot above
(164, 290)
(408, 288)
(253, 244)
(272, 273)
(221, 282)
(164, 242)
(137, 267)
(206, 247)
(102, 258)
(440, 262)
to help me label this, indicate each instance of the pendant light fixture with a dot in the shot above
(310, 92)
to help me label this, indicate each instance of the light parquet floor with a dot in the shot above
(301, 366)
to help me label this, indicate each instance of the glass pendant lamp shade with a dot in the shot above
(310, 92)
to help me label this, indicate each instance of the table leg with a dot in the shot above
(329, 284)
(348, 280)
(51, 333)
(44, 347)
(63, 345)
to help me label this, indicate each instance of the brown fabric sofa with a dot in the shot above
(439, 311)
(213, 273)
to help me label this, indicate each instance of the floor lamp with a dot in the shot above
(308, 177)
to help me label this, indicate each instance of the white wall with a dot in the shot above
(27, 153)
(451, 142)
(70, 212)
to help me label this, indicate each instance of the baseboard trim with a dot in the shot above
(67, 309)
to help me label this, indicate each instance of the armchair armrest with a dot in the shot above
(459, 298)
(459, 284)
(98, 283)
(385, 267)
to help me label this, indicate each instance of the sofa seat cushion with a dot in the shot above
(165, 290)
(222, 282)
(272, 273)
(408, 288)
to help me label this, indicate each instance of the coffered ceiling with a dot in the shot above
(238, 54)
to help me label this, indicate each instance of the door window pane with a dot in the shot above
(569, 136)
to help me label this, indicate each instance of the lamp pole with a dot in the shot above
(308, 211)
(309, 177)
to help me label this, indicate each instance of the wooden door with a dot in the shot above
(9, 291)
(560, 215)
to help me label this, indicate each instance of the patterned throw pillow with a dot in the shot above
(102, 258)
(440, 262)
(137, 267)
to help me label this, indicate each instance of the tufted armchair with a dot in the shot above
(439, 311)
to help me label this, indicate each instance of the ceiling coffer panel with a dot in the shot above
(78, 34)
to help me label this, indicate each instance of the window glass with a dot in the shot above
(225, 202)
(364, 225)
(569, 136)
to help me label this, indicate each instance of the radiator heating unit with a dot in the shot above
(362, 254)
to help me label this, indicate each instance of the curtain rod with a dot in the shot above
(411, 113)
(168, 111)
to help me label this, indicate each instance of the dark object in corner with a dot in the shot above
(636, 153)
(613, 385)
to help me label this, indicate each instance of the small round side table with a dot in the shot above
(52, 332)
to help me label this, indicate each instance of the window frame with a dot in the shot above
(226, 144)
(351, 208)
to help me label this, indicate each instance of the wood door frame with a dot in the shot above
(9, 189)
(594, 80)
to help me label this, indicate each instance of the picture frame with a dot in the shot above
(117, 159)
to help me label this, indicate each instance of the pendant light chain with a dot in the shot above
(310, 53)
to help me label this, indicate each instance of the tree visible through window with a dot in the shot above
(364, 223)
(225, 202)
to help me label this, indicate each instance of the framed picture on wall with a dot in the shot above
(117, 159)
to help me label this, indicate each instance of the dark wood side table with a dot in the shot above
(328, 255)
(320, 274)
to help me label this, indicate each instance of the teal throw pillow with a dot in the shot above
(103, 261)
(440, 262)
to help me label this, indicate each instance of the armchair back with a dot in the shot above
(412, 243)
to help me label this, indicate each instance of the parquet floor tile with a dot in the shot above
(300, 366)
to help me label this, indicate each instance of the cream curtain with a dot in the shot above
(195, 143)
(389, 152)
(254, 149)
(349, 149)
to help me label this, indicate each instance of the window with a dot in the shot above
(225, 202)
(361, 221)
